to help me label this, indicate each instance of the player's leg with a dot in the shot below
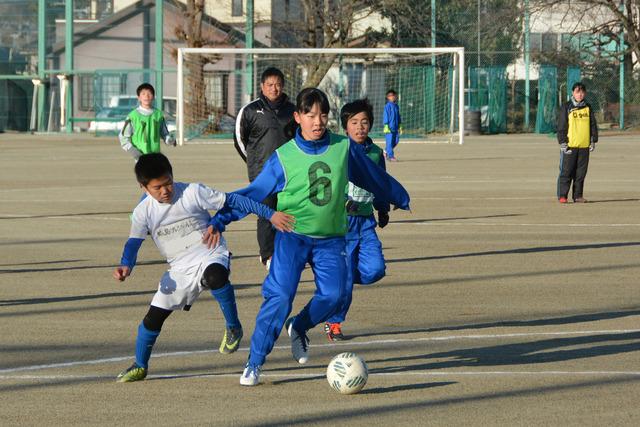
(216, 278)
(582, 164)
(266, 233)
(148, 332)
(567, 169)
(278, 290)
(396, 141)
(329, 264)
(332, 326)
(388, 145)
(371, 265)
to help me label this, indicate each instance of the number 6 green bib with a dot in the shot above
(314, 191)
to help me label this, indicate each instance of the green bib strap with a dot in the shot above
(363, 200)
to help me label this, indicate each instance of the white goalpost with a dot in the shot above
(214, 83)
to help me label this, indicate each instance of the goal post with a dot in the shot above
(212, 86)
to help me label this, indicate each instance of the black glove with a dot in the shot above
(383, 219)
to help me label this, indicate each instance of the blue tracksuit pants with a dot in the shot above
(392, 139)
(365, 261)
(292, 252)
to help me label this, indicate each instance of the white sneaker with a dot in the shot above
(251, 375)
(299, 343)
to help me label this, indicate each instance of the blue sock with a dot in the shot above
(226, 297)
(144, 345)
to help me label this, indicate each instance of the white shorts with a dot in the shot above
(180, 288)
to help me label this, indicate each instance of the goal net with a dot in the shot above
(214, 84)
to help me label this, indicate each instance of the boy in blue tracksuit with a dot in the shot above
(392, 124)
(310, 174)
(365, 261)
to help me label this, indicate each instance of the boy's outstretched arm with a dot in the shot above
(382, 206)
(369, 176)
(270, 181)
(166, 136)
(125, 140)
(128, 260)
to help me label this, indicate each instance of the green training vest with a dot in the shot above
(361, 196)
(146, 131)
(314, 188)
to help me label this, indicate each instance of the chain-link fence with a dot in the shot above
(114, 50)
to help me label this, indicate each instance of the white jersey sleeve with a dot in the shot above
(139, 224)
(208, 198)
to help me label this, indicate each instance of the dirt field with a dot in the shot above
(500, 306)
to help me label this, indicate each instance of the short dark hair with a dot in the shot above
(356, 107)
(152, 166)
(271, 72)
(146, 86)
(391, 91)
(578, 85)
(310, 96)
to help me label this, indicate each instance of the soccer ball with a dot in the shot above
(347, 373)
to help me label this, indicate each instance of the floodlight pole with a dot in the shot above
(527, 89)
(68, 60)
(249, 45)
(159, 54)
(42, 33)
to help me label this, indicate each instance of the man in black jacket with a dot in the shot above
(577, 136)
(262, 126)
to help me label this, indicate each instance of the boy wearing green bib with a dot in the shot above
(310, 174)
(365, 260)
(145, 126)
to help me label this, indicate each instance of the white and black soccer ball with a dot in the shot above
(347, 373)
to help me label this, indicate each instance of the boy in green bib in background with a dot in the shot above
(145, 126)
(310, 175)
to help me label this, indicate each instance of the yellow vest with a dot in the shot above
(579, 129)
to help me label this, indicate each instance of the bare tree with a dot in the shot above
(190, 31)
(616, 21)
(327, 24)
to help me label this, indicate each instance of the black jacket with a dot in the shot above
(563, 122)
(261, 129)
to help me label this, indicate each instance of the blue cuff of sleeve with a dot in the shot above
(217, 224)
(130, 252)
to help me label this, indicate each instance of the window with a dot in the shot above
(535, 42)
(549, 42)
(216, 90)
(236, 7)
(86, 93)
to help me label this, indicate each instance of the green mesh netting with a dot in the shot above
(497, 112)
(547, 104)
(573, 76)
(489, 92)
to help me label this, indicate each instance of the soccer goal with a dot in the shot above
(213, 84)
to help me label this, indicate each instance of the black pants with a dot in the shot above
(573, 167)
(266, 232)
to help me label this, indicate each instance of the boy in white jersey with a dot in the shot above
(177, 217)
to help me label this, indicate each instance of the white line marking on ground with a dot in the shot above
(437, 222)
(322, 373)
(340, 344)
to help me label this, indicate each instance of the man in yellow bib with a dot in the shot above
(577, 136)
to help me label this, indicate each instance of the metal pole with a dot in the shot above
(42, 48)
(249, 45)
(478, 33)
(621, 88)
(68, 59)
(159, 53)
(432, 98)
(527, 92)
